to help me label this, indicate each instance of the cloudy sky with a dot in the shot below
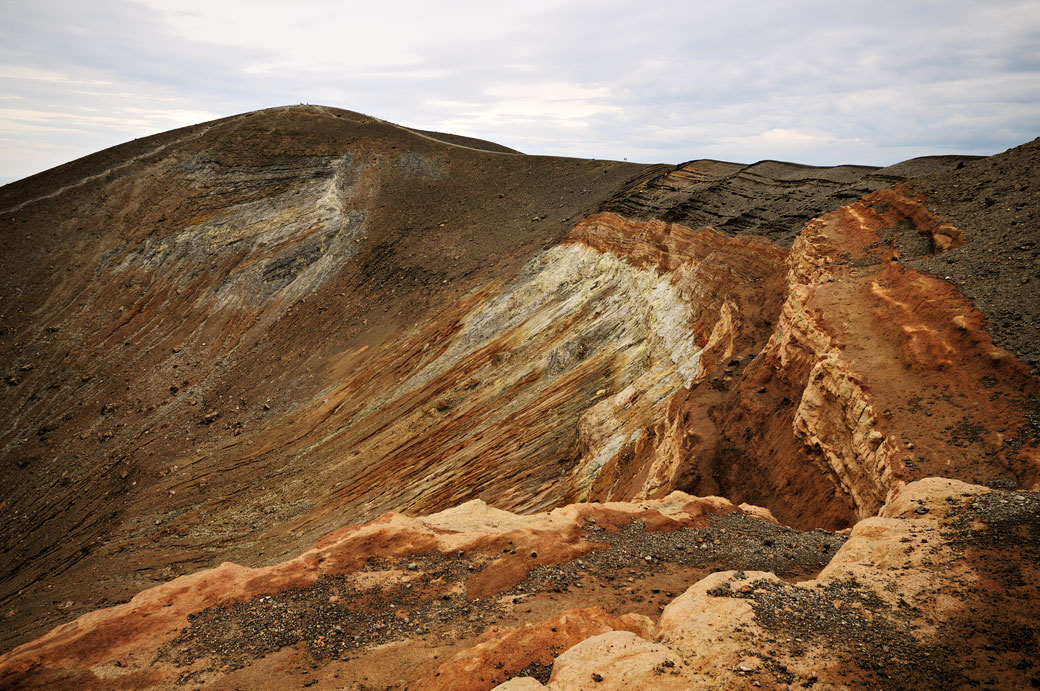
(823, 82)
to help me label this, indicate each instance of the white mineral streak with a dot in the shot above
(287, 245)
(573, 311)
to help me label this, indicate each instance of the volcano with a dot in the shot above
(301, 397)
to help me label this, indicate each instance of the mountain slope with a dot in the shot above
(225, 342)
(180, 302)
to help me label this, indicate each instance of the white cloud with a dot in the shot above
(811, 80)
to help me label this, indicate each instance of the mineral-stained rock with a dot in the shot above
(512, 652)
(874, 375)
(937, 590)
(223, 342)
(356, 589)
(943, 597)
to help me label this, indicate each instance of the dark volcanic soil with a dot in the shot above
(979, 646)
(639, 570)
(174, 297)
(996, 202)
(176, 314)
(773, 199)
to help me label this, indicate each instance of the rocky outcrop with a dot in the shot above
(408, 583)
(936, 590)
(919, 596)
(874, 375)
(727, 285)
(190, 321)
(771, 199)
(257, 330)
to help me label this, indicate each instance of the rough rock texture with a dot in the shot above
(189, 321)
(939, 591)
(222, 343)
(993, 201)
(770, 199)
(875, 374)
(425, 586)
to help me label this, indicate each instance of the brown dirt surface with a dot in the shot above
(433, 604)
(224, 343)
(335, 620)
(175, 299)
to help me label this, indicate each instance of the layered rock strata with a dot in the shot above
(260, 329)
(875, 375)
(179, 311)
(770, 199)
(938, 590)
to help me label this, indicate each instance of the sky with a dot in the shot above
(818, 82)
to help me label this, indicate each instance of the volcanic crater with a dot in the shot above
(303, 398)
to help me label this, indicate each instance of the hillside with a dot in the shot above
(225, 342)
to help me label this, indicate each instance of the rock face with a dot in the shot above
(191, 321)
(875, 375)
(224, 343)
(769, 199)
(412, 583)
(939, 590)
(906, 602)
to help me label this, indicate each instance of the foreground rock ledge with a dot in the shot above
(939, 590)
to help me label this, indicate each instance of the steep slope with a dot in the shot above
(176, 310)
(993, 201)
(222, 343)
(875, 374)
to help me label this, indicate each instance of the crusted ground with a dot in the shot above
(222, 343)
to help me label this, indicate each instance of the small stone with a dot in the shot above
(597, 677)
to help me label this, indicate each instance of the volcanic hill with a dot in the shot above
(343, 404)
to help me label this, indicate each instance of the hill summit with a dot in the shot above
(303, 397)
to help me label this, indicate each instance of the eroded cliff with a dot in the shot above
(223, 343)
(939, 590)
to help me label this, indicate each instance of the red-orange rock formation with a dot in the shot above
(875, 375)
(447, 573)
(257, 330)
(937, 590)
